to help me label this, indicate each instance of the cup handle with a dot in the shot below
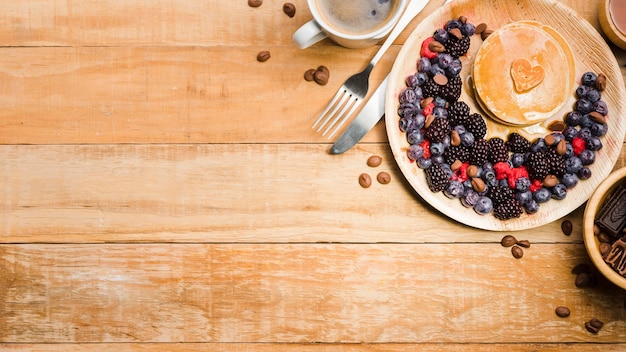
(309, 34)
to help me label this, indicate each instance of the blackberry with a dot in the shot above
(497, 151)
(451, 91)
(479, 152)
(516, 143)
(438, 130)
(476, 125)
(437, 178)
(458, 112)
(430, 88)
(454, 153)
(556, 163)
(537, 165)
(509, 209)
(499, 194)
(457, 47)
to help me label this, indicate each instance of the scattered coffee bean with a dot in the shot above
(463, 19)
(255, 3)
(383, 178)
(523, 243)
(594, 325)
(472, 170)
(517, 252)
(508, 241)
(601, 82)
(457, 164)
(557, 126)
(567, 227)
(289, 9)
(374, 161)
(263, 56)
(308, 75)
(605, 248)
(550, 181)
(583, 280)
(436, 47)
(321, 75)
(549, 139)
(455, 138)
(561, 147)
(481, 28)
(429, 119)
(597, 117)
(581, 268)
(485, 34)
(456, 32)
(478, 184)
(562, 311)
(440, 79)
(365, 180)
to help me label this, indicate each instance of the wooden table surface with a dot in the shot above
(163, 190)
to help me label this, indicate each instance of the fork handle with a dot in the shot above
(412, 9)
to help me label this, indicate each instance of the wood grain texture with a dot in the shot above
(299, 293)
(220, 193)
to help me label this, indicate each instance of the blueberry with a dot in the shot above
(524, 197)
(558, 136)
(569, 150)
(446, 141)
(573, 164)
(421, 78)
(408, 110)
(570, 132)
(569, 180)
(470, 198)
(423, 163)
(436, 69)
(584, 106)
(441, 35)
(453, 24)
(411, 81)
(599, 129)
(444, 60)
(406, 124)
(424, 64)
(589, 79)
(593, 95)
(455, 189)
(539, 145)
(573, 118)
(559, 191)
(600, 107)
(436, 149)
(488, 167)
(522, 184)
(440, 102)
(408, 95)
(460, 129)
(489, 177)
(518, 159)
(468, 29)
(586, 121)
(483, 205)
(419, 120)
(454, 68)
(581, 91)
(447, 169)
(415, 137)
(415, 152)
(542, 195)
(587, 157)
(585, 133)
(531, 207)
(594, 144)
(467, 139)
(584, 173)
(437, 159)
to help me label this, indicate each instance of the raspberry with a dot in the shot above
(497, 150)
(438, 130)
(516, 143)
(457, 47)
(479, 152)
(516, 173)
(509, 209)
(460, 174)
(458, 112)
(579, 145)
(502, 170)
(426, 146)
(476, 124)
(425, 51)
(437, 178)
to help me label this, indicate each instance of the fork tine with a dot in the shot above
(342, 114)
(356, 104)
(329, 106)
(329, 117)
(344, 104)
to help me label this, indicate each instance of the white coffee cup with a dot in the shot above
(349, 23)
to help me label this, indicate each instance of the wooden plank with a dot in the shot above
(271, 347)
(300, 293)
(221, 193)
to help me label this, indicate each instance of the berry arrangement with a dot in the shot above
(502, 177)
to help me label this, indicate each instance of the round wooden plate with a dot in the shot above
(591, 54)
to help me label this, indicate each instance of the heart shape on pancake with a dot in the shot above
(525, 75)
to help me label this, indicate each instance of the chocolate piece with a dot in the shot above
(616, 258)
(612, 216)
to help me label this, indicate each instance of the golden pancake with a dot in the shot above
(523, 73)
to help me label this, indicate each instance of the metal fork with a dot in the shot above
(351, 94)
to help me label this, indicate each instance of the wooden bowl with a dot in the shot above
(612, 15)
(592, 244)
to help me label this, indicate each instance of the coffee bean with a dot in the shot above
(517, 252)
(374, 161)
(550, 181)
(455, 138)
(308, 75)
(289, 9)
(594, 325)
(581, 268)
(472, 171)
(605, 248)
(566, 227)
(601, 82)
(383, 178)
(597, 117)
(478, 184)
(321, 75)
(561, 147)
(480, 28)
(436, 47)
(591, 328)
(562, 311)
(523, 243)
(557, 126)
(549, 139)
(441, 79)
(583, 280)
(463, 19)
(255, 3)
(508, 241)
(485, 34)
(456, 32)
(263, 56)
(365, 180)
